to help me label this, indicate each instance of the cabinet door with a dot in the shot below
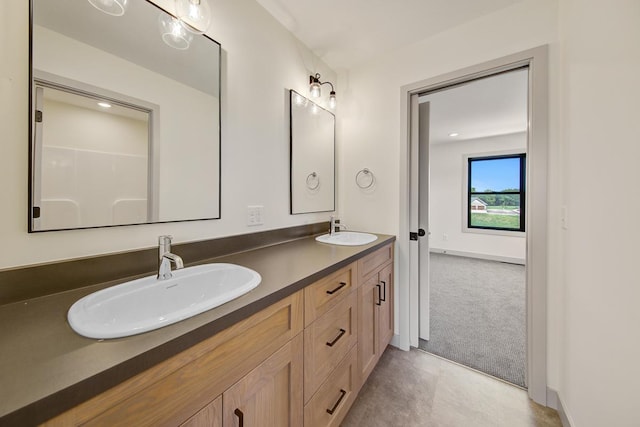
(386, 307)
(271, 394)
(209, 416)
(368, 339)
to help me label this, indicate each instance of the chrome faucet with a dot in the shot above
(335, 223)
(165, 258)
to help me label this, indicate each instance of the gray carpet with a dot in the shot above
(478, 315)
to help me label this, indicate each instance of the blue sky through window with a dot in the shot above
(495, 174)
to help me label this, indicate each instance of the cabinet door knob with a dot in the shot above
(342, 285)
(335, 340)
(379, 302)
(240, 416)
(342, 395)
(384, 290)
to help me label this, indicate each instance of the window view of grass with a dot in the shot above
(495, 221)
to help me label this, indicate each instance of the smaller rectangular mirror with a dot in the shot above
(312, 138)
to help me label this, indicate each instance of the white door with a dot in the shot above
(419, 215)
(423, 217)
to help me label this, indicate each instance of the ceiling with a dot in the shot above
(491, 106)
(344, 33)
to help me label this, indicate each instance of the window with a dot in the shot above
(496, 192)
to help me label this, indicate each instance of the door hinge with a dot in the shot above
(38, 116)
(413, 236)
(36, 211)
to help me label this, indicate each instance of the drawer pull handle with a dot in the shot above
(240, 416)
(342, 285)
(342, 395)
(384, 291)
(335, 340)
(379, 302)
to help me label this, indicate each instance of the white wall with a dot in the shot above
(261, 61)
(600, 93)
(369, 125)
(447, 197)
(593, 290)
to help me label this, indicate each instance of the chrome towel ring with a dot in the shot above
(365, 178)
(313, 181)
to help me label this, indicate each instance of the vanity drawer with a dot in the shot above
(372, 262)
(324, 294)
(335, 396)
(327, 341)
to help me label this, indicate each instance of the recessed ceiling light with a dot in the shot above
(104, 104)
(454, 134)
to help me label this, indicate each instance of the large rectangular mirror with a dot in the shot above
(125, 118)
(312, 156)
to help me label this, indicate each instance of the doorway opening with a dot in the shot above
(410, 244)
(473, 143)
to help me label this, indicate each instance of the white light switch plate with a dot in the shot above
(255, 215)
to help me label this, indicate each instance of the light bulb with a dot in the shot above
(314, 89)
(173, 33)
(195, 15)
(332, 100)
(111, 7)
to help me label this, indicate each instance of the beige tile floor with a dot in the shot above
(414, 388)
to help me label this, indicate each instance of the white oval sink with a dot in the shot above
(146, 304)
(347, 238)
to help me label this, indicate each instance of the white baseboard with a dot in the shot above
(511, 260)
(396, 342)
(552, 398)
(554, 401)
(564, 417)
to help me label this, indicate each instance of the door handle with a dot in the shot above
(384, 292)
(421, 232)
(240, 416)
(379, 295)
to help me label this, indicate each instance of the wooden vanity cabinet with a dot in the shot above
(209, 416)
(375, 305)
(184, 388)
(299, 362)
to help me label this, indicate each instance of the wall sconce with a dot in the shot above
(195, 15)
(173, 32)
(314, 89)
(111, 7)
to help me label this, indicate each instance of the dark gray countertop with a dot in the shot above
(46, 368)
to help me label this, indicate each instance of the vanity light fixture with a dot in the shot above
(314, 89)
(104, 104)
(195, 15)
(173, 32)
(111, 7)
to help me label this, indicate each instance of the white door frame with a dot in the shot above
(536, 219)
